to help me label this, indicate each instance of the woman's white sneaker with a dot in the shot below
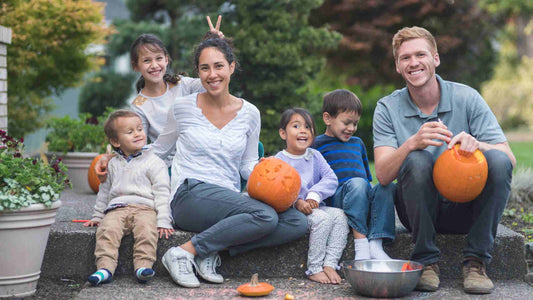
(206, 268)
(179, 263)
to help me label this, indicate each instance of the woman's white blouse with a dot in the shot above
(206, 153)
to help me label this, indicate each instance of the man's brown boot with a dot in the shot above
(429, 281)
(475, 277)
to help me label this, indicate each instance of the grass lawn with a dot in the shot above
(523, 153)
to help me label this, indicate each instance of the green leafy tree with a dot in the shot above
(509, 92)
(463, 31)
(279, 53)
(105, 89)
(48, 53)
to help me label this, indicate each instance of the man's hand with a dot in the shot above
(303, 206)
(469, 144)
(167, 232)
(430, 134)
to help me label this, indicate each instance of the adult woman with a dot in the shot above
(218, 137)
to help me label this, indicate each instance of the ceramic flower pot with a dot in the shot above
(78, 164)
(23, 234)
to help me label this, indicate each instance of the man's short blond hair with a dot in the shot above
(410, 33)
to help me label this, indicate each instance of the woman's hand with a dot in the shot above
(101, 167)
(215, 29)
(167, 232)
(303, 206)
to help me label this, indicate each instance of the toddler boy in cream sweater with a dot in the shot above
(133, 199)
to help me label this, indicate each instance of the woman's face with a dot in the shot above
(215, 71)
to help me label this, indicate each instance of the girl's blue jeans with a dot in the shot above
(370, 210)
(424, 212)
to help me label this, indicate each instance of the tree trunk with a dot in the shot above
(524, 26)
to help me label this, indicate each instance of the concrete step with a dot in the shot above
(161, 287)
(71, 246)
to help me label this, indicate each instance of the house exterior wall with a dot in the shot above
(5, 39)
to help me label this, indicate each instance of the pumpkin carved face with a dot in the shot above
(459, 178)
(94, 182)
(274, 182)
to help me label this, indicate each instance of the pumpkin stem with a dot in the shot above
(255, 280)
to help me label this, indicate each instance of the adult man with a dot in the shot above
(411, 127)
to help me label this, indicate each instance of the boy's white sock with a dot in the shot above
(362, 249)
(376, 249)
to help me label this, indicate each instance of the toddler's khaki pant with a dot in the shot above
(140, 220)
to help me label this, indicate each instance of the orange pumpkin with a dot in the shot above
(255, 288)
(274, 182)
(94, 182)
(460, 178)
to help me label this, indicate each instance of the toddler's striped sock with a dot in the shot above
(100, 276)
(144, 274)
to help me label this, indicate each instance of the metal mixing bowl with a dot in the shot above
(382, 278)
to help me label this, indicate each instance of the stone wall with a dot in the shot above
(5, 39)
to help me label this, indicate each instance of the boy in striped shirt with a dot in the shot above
(370, 210)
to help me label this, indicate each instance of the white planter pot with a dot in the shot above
(23, 234)
(78, 167)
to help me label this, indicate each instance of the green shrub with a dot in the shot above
(85, 134)
(27, 180)
(105, 89)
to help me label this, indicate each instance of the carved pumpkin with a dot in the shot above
(255, 288)
(94, 182)
(274, 182)
(459, 178)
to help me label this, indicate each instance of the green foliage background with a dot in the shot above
(84, 134)
(463, 30)
(105, 89)
(47, 54)
(280, 53)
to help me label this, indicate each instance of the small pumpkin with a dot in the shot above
(274, 182)
(94, 182)
(460, 178)
(255, 288)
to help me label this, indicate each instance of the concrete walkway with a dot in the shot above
(69, 259)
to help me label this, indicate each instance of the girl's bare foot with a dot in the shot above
(319, 277)
(332, 274)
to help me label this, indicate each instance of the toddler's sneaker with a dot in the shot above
(100, 276)
(206, 267)
(144, 274)
(178, 263)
